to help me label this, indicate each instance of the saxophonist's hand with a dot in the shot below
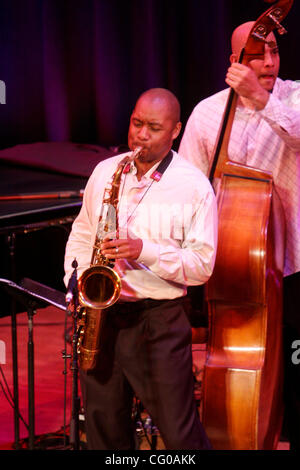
(116, 246)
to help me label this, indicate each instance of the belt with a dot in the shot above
(139, 305)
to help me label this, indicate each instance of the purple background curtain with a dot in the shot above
(74, 68)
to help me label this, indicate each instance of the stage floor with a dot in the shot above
(53, 396)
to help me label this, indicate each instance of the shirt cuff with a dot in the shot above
(149, 254)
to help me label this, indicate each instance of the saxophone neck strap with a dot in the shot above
(157, 174)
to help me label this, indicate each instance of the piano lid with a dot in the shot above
(58, 168)
(17, 180)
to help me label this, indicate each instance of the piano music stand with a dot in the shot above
(31, 301)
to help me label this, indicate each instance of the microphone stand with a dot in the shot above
(74, 423)
(11, 240)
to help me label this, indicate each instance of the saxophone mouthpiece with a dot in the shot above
(136, 152)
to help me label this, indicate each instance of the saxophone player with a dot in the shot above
(167, 238)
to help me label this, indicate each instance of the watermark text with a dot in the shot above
(2, 352)
(296, 353)
(2, 92)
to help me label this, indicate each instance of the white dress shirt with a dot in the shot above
(175, 217)
(268, 139)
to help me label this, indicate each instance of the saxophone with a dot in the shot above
(99, 286)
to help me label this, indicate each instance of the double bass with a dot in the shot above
(243, 373)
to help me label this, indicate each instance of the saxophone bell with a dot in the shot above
(99, 287)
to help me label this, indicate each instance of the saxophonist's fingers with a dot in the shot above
(110, 236)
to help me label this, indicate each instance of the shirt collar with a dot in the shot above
(276, 88)
(133, 170)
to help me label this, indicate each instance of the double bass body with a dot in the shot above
(243, 377)
(243, 371)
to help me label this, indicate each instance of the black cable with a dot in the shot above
(6, 384)
(8, 395)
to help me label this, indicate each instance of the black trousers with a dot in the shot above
(144, 353)
(291, 333)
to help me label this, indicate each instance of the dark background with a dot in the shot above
(73, 69)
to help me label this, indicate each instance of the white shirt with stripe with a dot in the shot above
(268, 139)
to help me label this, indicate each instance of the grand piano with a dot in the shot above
(40, 195)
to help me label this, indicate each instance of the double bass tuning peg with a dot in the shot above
(261, 32)
(275, 15)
